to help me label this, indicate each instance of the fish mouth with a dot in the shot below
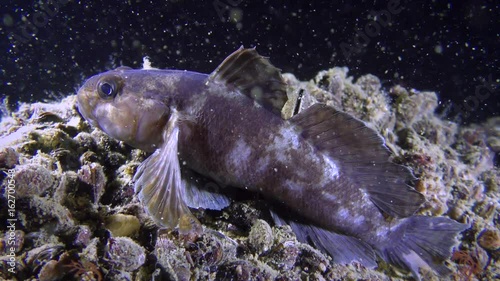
(85, 104)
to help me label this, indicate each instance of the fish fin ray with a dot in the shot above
(360, 153)
(422, 241)
(343, 249)
(254, 76)
(200, 192)
(158, 181)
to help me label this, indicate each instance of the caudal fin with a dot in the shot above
(422, 242)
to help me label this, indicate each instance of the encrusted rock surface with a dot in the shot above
(77, 217)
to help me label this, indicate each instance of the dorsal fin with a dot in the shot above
(254, 76)
(362, 155)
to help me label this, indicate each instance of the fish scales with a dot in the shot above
(326, 173)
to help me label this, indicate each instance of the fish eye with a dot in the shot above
(107, 89)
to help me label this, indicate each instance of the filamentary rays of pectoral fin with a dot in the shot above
(158, 180)
(362, 155)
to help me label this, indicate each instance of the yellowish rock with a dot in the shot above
(123, 225)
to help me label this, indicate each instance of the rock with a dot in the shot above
(489, 239)
(32, 179)
(8, 157)
(93, 175)
(261, 236)
(124, 253)
(123, 225)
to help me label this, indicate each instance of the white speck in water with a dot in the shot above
(438, 49)
(146, 63)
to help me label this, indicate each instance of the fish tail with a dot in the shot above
(422, 242)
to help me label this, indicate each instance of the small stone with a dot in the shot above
(8, 158)
(85, 142)
(284, 256)
(43, 254)
(51, 271)
(83, 236)
(32, 180)
(47, 117)
(93, 175)
(491, 182)
(489, 239)
(243, 215)
(172, 258)
(123, 225)
(494, 143)
(13, 239)
(90, 252)
(261, 236)
(51, 139)
(66, 159)
(244, 270)
(457, 211)
(44, 210)
(88, 157)
(125, 254)
(311, 259)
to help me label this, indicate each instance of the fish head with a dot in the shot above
(119, 103)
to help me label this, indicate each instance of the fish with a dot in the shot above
(325, 173)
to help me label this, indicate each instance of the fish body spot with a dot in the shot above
(343, 213)
(263, 163)
(329, 196)
(359, 220)
(238, 156)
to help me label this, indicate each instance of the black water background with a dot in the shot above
(302, 37)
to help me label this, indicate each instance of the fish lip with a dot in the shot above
(86, 105)
(82, 103)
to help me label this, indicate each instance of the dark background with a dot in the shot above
(448, 47)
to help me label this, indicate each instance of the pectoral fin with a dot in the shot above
(158, 180)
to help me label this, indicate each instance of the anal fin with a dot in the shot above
(342, 248)
(361, 154)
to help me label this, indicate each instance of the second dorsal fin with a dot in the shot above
(361, 154)
(254, 76)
